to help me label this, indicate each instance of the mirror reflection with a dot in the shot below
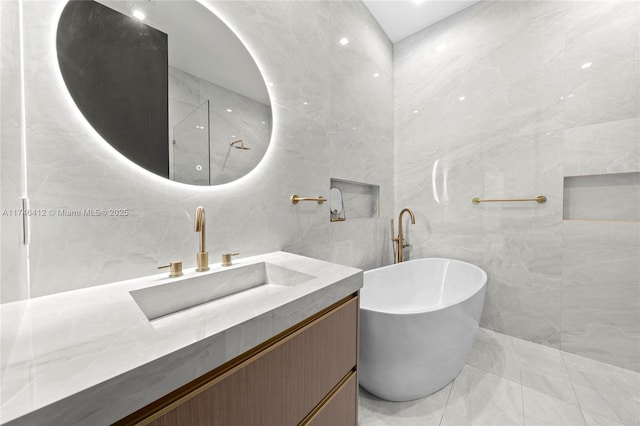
(168, 85)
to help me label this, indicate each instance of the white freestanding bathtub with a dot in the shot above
(418, 320)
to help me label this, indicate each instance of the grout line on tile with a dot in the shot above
(524, 418)
(446, 402)
(573, 387)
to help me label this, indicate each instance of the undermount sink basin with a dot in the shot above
(199, 288)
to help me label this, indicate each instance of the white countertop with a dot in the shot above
(91, 356)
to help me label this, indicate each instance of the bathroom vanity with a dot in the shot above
(306, 375)
(271, 339)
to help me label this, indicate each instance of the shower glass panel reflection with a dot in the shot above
(190, 148)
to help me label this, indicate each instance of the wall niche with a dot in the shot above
(605, 197)
(359, 200)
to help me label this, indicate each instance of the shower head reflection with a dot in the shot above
(239, 144)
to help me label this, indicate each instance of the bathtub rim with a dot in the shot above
(431, 309)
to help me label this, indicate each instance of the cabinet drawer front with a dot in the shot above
(341, 409)
(282, 384)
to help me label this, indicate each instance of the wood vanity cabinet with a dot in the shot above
(304, 376)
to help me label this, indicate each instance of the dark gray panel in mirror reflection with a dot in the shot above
(116, 70)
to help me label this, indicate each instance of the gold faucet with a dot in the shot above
(202, 257)
(175, 269)
(398, 256)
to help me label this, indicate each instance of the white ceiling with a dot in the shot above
(401, 18)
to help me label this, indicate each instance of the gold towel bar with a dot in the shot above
(320, 199)
(540, 199)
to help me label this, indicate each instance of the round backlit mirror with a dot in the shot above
(168, 85)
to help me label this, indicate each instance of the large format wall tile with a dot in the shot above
(472, 121)
(494, 102)
(13, 255)
(320, 90)
(602, 61)
(601, 291)
(612, 147)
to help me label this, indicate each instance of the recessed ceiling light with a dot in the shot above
(305, 103)
(461, 98)
(377, 74)
(415, 111)
(344, 41)
(229, 110)
(264, 122)
(138, 14)
(586, 65)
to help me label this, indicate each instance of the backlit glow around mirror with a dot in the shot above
(243, 113)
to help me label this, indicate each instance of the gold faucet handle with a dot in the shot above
(175, 269)
(226, 258)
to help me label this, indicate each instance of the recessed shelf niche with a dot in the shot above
(607, 197)
(360, 200)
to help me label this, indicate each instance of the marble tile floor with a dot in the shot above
(509, 381)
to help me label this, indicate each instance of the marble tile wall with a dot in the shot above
(498, 101)
(601, 260)
(345, 129)
(600, 300)
(13, 254)
(585, 153)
